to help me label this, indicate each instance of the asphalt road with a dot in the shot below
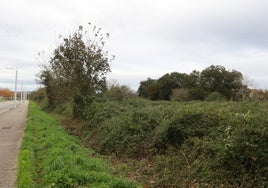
(12, 123)
(5, 106)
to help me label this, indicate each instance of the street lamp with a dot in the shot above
(21, 93)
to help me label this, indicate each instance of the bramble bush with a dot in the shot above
(188, 143)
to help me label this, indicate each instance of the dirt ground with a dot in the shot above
(12, 125)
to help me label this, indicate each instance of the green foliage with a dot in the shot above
(180, 94)
(215, 96)
(117, 92)
(76, 69)
(39, 96)
(65, 109)
(218, 79)
(197, 94)
(191, 144)
(148, 89)
(49, 157)
(198, 84)
(56, 89)
(81, 102)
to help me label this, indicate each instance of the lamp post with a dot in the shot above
(21, 93)
(15, 95)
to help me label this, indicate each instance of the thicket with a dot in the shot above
(208, 144)
(196, 85)
(49, 157)
(119, 92)
(258, 95)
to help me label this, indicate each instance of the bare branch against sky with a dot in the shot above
(149, 38)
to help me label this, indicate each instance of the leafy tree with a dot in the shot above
(195, 90)
(198, 84)
(148, 89)
(193, 80)
(218, 79)
(161, 89)
(197, 93)
(82, 63)
(168, 82)
(77, 69)
(57, 90)
(165, 86)
(179, 80)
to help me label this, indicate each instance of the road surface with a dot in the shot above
(5, 106)
(12, 125)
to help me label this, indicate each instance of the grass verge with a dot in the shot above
(49, 157)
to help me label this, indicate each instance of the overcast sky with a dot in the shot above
(148, 37)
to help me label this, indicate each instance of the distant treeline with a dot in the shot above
(214, 81)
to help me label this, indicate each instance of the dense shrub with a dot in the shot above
(119, 92)
(39, 96)
(258, 95)
(180, 94)
(65, 109)
(190, 144)
(199, 84)
(215, 96)
(81, 102)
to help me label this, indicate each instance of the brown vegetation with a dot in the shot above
(5, 92)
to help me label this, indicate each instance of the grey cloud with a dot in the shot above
(149, 38)
(232, 28)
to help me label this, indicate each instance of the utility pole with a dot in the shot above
(21, 93)
(25, 95)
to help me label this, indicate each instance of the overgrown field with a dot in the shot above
(49, 157)
(175, 144)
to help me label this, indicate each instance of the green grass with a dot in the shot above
(49, 157)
